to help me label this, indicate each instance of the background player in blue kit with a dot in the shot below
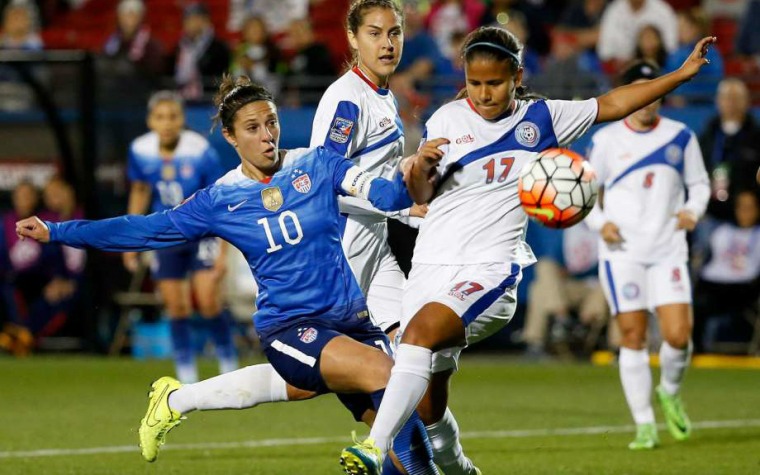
(166, 165)
(280, 209)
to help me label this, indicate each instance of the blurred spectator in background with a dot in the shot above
(517, 24)
(38, 286)
(420, 62)
(692, 26)
(19, 32)
(447, 17)
(732, 9)
(581, 18)
(570, 72)
(59, 198)
(650, 47)
(20, 29)
(200, 57)
(132, 43)
(748, 37)
(566, 281)
(730, 147)
(623, 19)
(277, 14)
(257, 56)
(310, 70)
(536, 15)
(729, 284)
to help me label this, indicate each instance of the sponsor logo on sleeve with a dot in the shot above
(341, 130)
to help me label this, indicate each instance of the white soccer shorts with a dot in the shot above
(630, 286)
(483, 295)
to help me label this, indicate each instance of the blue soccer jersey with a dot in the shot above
(287, 228)
(195, 165)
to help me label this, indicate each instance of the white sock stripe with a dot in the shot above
(294, 353)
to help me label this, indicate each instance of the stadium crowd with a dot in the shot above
(296, 48)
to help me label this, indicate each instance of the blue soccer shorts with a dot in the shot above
(179, 262)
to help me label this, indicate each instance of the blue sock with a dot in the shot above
(182, 341)
(220, 328)
(411, 444)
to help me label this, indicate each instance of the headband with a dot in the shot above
(488, 44)
(234, 91)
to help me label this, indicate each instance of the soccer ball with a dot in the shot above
(558, 189)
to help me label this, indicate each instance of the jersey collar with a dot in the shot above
(628, 125)
(375, 87)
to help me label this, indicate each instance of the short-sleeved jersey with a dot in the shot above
(643, 175)
(475, 214)
(735, 255)
(195, 165)
(360, 121)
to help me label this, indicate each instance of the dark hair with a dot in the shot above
(661, 55)
(496, 44)
(233, 94)
(641, 69)
(355, 18)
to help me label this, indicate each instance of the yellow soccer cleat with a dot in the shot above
(159, 419)
(362, 458)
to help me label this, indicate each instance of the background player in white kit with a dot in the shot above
(643, 163)
(470, 250)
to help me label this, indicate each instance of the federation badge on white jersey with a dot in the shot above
(527, 134)
(341, 130)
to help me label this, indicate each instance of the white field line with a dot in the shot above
(490, 434)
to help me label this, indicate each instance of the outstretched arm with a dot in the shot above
(120, 234)
(622, 101)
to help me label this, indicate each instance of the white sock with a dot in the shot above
(239, 389)
(637, 383)
(187, 373)
(673, 364)
(409, 380)
(447, 451)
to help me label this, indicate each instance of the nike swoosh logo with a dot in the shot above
(152, 420)
(549, 214)
(231, 208)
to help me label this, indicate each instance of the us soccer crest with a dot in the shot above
(308, 335)
(272, 198)
(341, 130)
(302, 183)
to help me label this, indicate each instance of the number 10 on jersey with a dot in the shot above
(292, 240)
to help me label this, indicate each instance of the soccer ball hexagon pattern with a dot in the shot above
(558, 189)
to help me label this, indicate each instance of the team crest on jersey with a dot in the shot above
(168, 172)
(308, 335)
(302, 182)
(527, 134)
(187, 170)
(341, 130)
(673, 154)
(272, 198)
(630, 291)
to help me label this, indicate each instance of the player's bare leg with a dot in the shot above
(675, 354)
(636, 377)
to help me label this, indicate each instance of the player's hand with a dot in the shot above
(131, 261)
(697, 58)
(686, 220)
(429, 154)
(33, 228)
(611, 233)
(418, 211)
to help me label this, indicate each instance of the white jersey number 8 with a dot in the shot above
(273, 246)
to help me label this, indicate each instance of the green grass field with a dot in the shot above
(80, 416)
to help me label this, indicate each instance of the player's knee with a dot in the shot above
(209, 309)
(177, 310)
(678, 340)
(632, 338)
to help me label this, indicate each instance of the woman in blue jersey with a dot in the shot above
(166, 165)
(462, 287)
(280, 209)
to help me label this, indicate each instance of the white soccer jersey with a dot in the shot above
(643, 175)
(360, 121)
(475, 205)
